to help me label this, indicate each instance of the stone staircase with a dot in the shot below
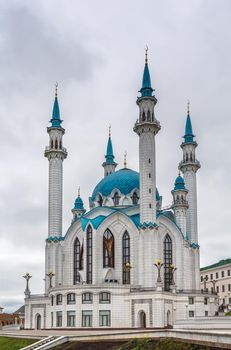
(47, 343)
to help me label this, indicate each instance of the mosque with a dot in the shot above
(127, 262)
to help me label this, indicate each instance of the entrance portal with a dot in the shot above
(142, 319)
(38, 320)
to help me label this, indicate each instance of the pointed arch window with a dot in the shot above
(126, 258)
(89, 255)
(143, 116)
(116, 198)
(56, 144)
(108, 249)
(78, 260)
(100, 200)
(135, 198)
(167, 262)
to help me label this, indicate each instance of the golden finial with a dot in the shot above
(146, 54)
(109, 130)
(56, 89)
(188, 105)
(125, 159)
(78, 191)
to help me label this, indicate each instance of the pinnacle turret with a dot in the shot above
(109, 165)
(55, 120)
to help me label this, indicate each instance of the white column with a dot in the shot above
(55, 196)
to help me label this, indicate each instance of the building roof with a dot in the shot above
(21, 310)
(78, 203)
(179, 183)
(218, 264)
(125, 180)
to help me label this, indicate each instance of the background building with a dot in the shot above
(217, 277)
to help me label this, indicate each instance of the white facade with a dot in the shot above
(104, 271)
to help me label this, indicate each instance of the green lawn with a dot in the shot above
(7, 343)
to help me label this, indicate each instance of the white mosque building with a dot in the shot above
(127, 262)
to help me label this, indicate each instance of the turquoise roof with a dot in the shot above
(78, 203)
(146, 89)
(179, 183)
(109, 155)
(56, 121)
(95, 222)
(188, 137)
(125, 180)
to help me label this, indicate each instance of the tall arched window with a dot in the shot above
(78, 260)
(167, 262)
(100, 200)
(89, 255)
(135, 198)
(126, 258)
(116, 198)
(108, 249)
(143, 116)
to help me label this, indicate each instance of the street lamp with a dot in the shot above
(204, 279)
(50, 275)
(173, 269)
(27, 277)
(159, 265)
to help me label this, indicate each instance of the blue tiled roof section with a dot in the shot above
(94, 222)
(135, 219)
(188, 137)
(179, 183)
(168, 213)
(78, 203)
(56, 121)
(125, 180)
(146, 89)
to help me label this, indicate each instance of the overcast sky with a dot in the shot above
(95, 50)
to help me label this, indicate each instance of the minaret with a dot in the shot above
(147, 127)
(189, 166)
(78, 209)
(109, 165)
(55, 153)
(180, 203)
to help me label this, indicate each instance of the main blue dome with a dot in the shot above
(125, 180)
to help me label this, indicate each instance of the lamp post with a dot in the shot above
(214, 286)
(173, 269)
(127, 269)
(50, 275)
(159, 284)
(205, 279)
(27, 277)
(159, 265)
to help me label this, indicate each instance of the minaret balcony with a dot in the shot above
(194, 165)
(147, 126)
(59, 151)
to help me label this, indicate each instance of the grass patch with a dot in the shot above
(7, 343)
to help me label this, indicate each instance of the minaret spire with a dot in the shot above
(55, 153)
(147, 127)
(109, 165)
(189, 166)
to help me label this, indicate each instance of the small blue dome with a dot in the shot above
(179, 183)
(125, 180)
(78, 203)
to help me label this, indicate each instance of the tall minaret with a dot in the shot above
(189, 166)
(147, 127)
(109, 165)
(55, 153)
